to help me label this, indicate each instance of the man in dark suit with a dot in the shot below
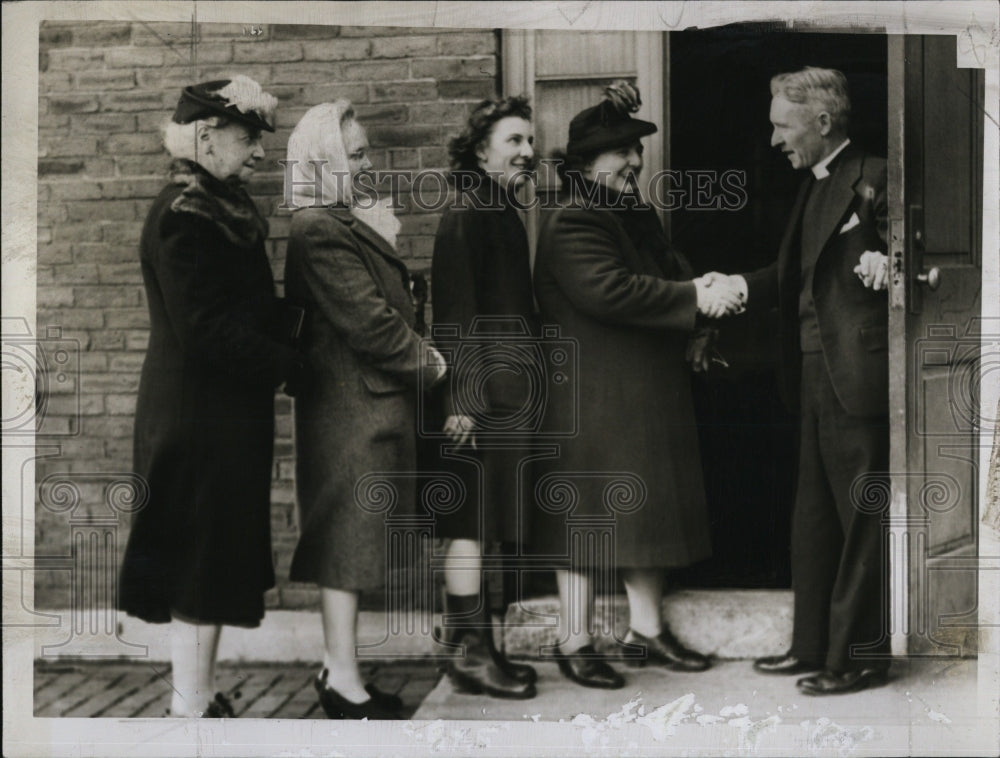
(829, 285)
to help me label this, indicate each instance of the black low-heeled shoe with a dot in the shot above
(785, 665)
(589, 668)
(220, 708)
(665, 650)
(336, 706)
(386, 699)
(841, 683)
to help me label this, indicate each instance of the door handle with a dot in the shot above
(932, 278)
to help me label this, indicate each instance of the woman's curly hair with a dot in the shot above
(462, 149)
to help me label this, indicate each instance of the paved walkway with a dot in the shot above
(128, 690)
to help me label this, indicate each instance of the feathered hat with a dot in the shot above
(240, 99)
(608, 124)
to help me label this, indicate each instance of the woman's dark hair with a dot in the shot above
(571, 166)
(462, 149)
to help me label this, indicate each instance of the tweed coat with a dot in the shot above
(482, 270)
(355, 428)
(200, 549)
(610, 281)
(853, 319)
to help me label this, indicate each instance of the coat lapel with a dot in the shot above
(845, 175)
(372, 237)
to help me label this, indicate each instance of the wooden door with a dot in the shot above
(935, 309)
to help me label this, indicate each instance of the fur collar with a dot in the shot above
(226, 204)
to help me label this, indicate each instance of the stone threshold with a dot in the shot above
(729, 624)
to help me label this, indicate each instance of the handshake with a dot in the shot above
(721, 294)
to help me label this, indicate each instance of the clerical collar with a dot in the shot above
(820, 170)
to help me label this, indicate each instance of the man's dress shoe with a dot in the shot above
(783, 664)
(832, 683)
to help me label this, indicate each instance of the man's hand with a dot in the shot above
(873, 270)
(719, 294)
(460, 429)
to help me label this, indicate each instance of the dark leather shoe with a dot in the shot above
(589, 668)
(336, 706)
(386, 699)
(665, 650)
(783, 664)
(476, 673)
(219, 708)
(832, 683)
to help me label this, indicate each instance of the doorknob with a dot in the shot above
(932, 278)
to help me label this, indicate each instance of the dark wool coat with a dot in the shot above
(355, 413)
(204, 422)
(853, 319)
(611, 282)
(481, 281)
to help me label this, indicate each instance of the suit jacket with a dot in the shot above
(853, 319)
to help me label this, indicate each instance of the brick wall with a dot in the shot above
(105, 89)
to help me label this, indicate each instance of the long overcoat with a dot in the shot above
(200, 549)
(628, 459)
(482, 293)
(355, 431)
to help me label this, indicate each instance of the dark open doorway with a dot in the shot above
(719, 100)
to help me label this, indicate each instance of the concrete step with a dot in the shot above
(728, 624)
(725, 623)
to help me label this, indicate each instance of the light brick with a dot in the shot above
(164, 80)
(78, 233)
(119, 273)
(137, 188)
(125, 318)
(108, 427)
(404, 136)
(467, 43)
(98, 167)
(55, 253)
(129, 361)
(327, 93)
(403, 91)
(102, 81)
(73, 104)
(74, 59)
(270, 52)
(214, 52)
(102, 123)
(101, 34)
(73, 318)
(473, 89)
(250, 32)
(107, 340)
(337, 49)
(68, 405)
(134, 57)
(382, 114)
(173, 37)
(52, 297)
(403, 47)
(107, 297)
(57, 167)
(118, 144)
(109, 383)
(121, 405)
(135, 101)
(148, 165)
(137, 340)
(54, 81)
(104, 210)
(55, 145)
(453, 68)
(440, 113)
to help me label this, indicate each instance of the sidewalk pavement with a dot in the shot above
(919, 691)
(266, 691)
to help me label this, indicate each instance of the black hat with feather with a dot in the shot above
(609, 124)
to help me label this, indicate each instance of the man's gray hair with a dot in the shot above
(822, 88)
